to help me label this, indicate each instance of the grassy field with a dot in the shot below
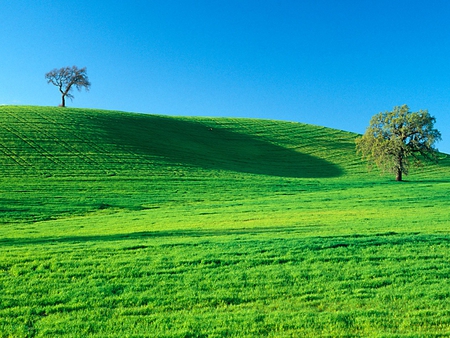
(131, 225)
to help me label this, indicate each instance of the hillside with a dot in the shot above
(61, 162)
(44, 141)
(57, 163)
(116, 224)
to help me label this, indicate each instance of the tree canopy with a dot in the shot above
(395, 138)
(66, 78)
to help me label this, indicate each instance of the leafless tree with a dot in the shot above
(66, 78)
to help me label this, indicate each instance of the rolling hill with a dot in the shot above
(38, 141)
(52, 149)
(116, 224)
(58, 162)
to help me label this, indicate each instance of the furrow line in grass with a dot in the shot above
(73, 152)
(40, 150)
(15, 156)
(32, 143)
(11, 155)
(74, 133)
(100, 151)
(137, 158)
(280, 134)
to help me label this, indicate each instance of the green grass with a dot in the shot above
(130, 225)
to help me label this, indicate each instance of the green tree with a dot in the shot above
(395, 138)
(66, 78)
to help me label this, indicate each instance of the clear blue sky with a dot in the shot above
(327, 62)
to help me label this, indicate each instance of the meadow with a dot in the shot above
(130, 225)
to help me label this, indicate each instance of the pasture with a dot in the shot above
(129, 225)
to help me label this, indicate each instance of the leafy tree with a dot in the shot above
(66, 78)
(395, 138)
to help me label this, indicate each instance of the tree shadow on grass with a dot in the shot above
(197, 144)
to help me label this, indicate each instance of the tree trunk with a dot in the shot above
(63, 101)
(399, 173)
(398, 177)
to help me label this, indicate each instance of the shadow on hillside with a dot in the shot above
(196, 144)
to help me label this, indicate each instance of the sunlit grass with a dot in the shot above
(237, 283)
(128, 225)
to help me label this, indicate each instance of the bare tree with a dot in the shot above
(66, 78)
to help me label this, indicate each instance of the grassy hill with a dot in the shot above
(116, 224)
(72, 142)
(51, 146)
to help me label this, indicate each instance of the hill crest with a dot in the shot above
(52, 141)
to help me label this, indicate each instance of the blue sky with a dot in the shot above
(334, 63)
